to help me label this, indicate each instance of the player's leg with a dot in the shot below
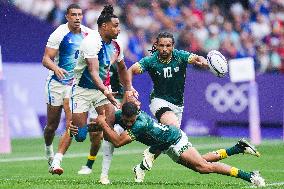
(53, 119)
(65, 140)
(193, 160)
(167, 114)
(95, 139)
(54, 94)
(107, 146)
(242, 146)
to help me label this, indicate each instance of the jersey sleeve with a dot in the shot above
(121, 54)
(55, 38)
(144, 64)
(186, 57)
(90, 46)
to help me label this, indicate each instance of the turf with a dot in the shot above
(26, 167)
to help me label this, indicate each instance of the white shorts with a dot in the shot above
(55, 92)
(83, 99)
(158, 103)
(176, 150)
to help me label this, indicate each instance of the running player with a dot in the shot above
(60, 57)
(92, 76)
(117, 90)
(172, 141)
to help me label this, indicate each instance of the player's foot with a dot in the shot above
(148, 159)
(139, 173)
(56, 168)
(257, 180)
(85, 170)
(247, 147)
(104, 180)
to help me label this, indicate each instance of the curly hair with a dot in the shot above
(106, 15)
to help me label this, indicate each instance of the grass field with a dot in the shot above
(27, 168)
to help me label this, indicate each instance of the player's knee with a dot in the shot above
(82, 134)
(50, 129)
(203, 168)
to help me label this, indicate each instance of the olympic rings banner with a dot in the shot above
(212, 99)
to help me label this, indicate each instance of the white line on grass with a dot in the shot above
(269, 184)
(116, 152)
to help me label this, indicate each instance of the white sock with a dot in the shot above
(49, 151)
(107, 157)
(58, 156)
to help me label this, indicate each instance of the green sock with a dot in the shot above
(233, 150)
(90, 162)
(235, 172)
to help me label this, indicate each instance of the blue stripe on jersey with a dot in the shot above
(48, 90)
(68, 54)
(104, 56)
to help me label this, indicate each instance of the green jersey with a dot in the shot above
(168, 79)
(149, 132)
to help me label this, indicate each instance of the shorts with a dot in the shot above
(83, 99)
(158, 103)
(177, 149)
(55, 92)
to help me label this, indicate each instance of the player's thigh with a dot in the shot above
(53, 115)
(109, 112)
(79, 119)
(55, 92)
(192, 159)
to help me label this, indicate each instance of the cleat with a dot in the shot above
(55, 168)
(148, 159)
(257, 180)
(247, 148)
(104, 180)
(139, 174)
(85, 170)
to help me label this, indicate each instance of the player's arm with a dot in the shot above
(47, 61)
(115, 139)
(134, 70)
(198, 60)
(124, 76)
(93, 68)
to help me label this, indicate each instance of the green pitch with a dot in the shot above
(27, 168)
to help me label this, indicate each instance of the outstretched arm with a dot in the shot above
(115, 139)
(134, 70)
(199, 61)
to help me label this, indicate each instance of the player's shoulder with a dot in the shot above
(86, 30)
(61, 30)
(150, 58)
(93, 39)
(177, 52)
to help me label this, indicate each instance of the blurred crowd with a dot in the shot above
(251, 28)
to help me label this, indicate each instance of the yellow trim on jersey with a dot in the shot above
(190, 58)
(131, 134)
(222, 153)
(140, 68)
(234, 172)
(93, 158)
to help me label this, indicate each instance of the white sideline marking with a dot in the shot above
(269, 184)
(116, 152)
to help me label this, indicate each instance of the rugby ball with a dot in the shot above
(217, 63)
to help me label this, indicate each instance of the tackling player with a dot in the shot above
(171, 141)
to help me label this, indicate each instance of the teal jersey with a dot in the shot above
(168, 79)
(149, 132)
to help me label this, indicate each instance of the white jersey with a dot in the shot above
(68, 45)
(94, 47)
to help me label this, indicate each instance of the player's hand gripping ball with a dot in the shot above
(217, 63)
